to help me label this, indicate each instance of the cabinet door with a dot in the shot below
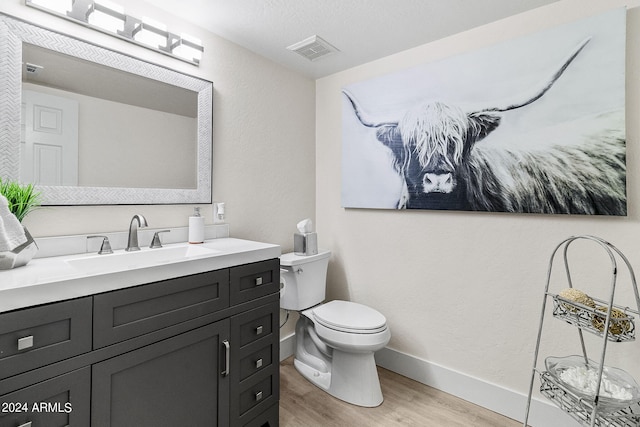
(175, 382)
(58, 402)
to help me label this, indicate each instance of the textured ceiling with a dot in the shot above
(362, 30)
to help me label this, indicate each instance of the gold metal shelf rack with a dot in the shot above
(586, 409)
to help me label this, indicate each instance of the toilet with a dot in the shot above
(336, 340)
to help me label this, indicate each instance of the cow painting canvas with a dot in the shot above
(532, 125)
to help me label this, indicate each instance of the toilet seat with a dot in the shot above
(349, 317)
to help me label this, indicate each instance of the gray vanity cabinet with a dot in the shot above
(199, 350)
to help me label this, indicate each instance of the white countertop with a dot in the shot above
(45, 280)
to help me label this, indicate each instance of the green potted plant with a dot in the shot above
(21, 199)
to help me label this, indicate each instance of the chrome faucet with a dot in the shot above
(136, 221)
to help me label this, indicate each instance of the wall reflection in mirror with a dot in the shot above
(89, 125)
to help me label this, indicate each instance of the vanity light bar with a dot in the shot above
(107, 16)
(187, 47)
(152, 33)
(143, 32)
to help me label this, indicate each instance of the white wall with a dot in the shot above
(463, 290)
(263, 138)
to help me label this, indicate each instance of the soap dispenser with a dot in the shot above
(196, 227)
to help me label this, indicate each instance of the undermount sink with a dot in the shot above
(145, 257)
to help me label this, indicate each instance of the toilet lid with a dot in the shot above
(349, 316)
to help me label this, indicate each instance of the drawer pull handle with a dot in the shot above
(258, 363)
(227, 349)
(258, 396)
(27, 424)
(259, 330)
(25, 343)
(258, 281)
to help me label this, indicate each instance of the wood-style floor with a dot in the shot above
(406, 403)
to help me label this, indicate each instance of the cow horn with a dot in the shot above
(546, 85)
(361, 116)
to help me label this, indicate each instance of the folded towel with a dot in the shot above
(11, 231)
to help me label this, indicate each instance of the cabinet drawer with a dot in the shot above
(257, 396)
(128, 313)
(257, 360)
(38, 336)
(269, 418)
(57, 402)
(253, 325)
(255, 280)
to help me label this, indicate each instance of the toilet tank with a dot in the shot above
(304, 279)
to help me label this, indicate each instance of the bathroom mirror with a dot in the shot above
(143, 132)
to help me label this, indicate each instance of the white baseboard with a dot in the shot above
(287, 346)
(491, 396)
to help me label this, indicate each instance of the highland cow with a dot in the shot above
(438, 150)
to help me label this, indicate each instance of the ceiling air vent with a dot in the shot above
(313, 48)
